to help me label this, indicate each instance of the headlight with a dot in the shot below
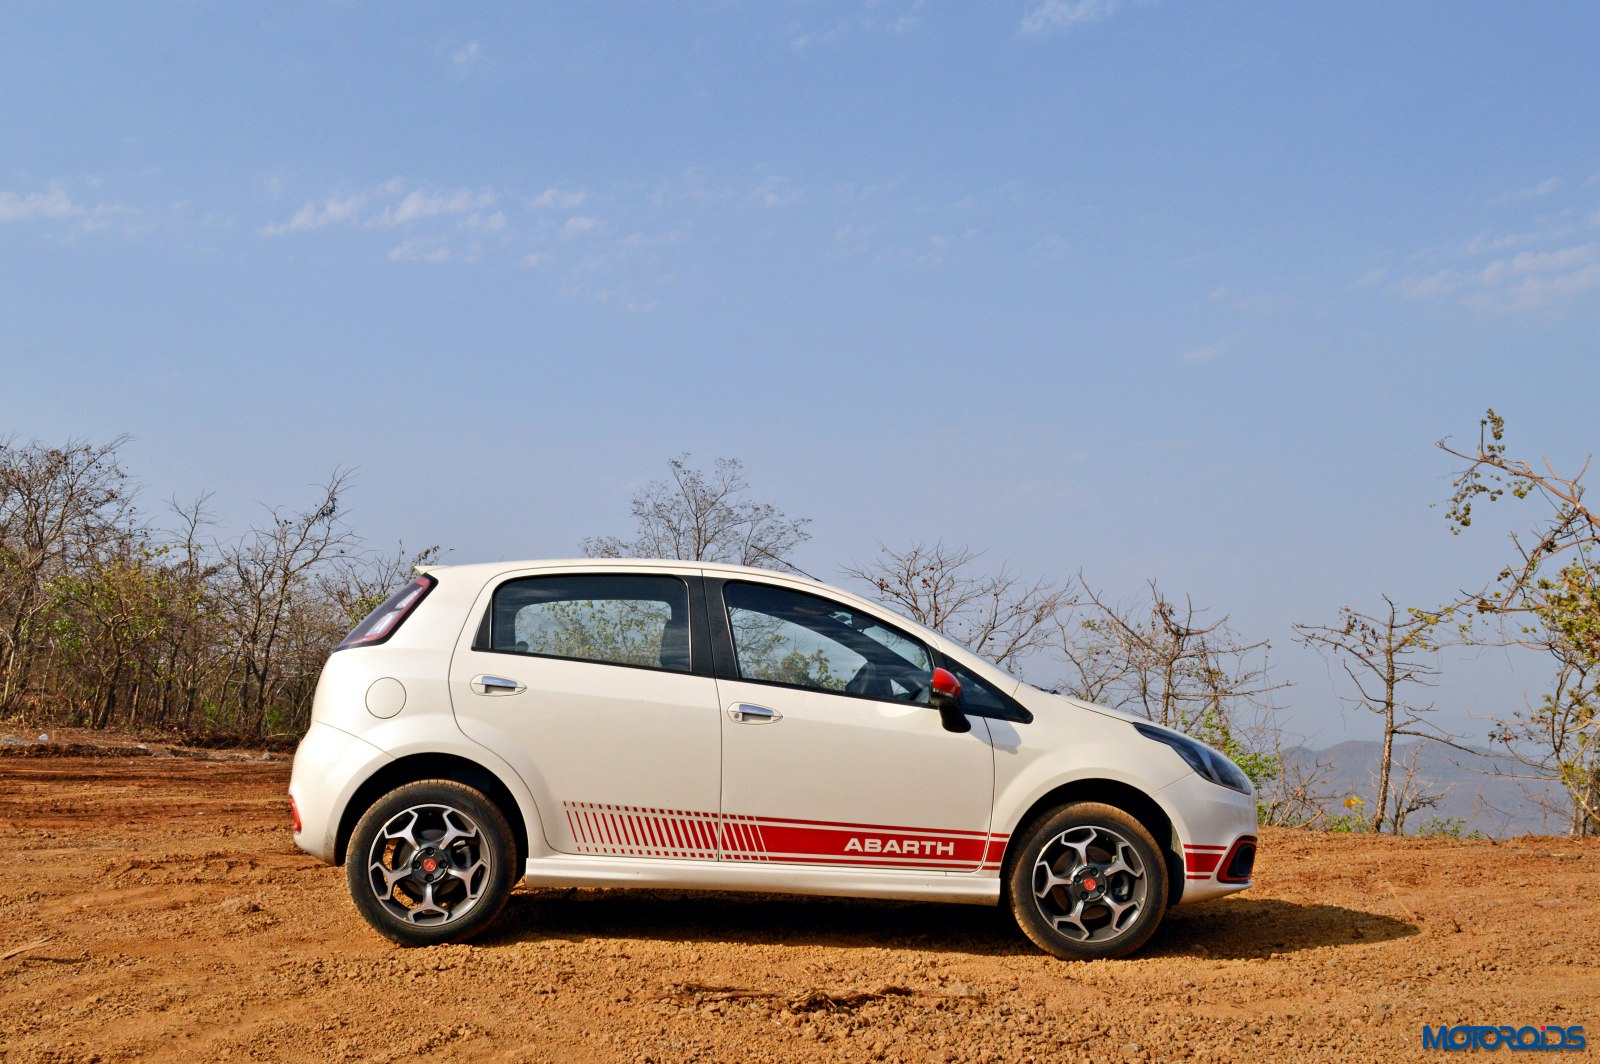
(1204, 760)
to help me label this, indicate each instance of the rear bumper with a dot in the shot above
(327, 764)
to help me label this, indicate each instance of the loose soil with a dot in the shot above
(154, 907)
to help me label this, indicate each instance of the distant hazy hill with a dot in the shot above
(1494, 805)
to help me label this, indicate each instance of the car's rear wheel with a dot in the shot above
(1088, 882)
(431, 862)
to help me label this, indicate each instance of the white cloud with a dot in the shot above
(776, 192)
(577, 225)
(400, 207)
(53, 205)
(419, 251)
(1543, 188)
(492, 223)
(1528, 280)
(555, 197)
(419, 204)
(468, 55)
(1202, 354)
(333, 210)
(1540, 262)
(1538, 292)
(1371, 277)
(1064, 14)
(57, 205)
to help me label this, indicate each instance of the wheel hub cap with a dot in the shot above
(429, 864)
(1089, 884)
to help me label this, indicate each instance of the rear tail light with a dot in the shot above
(294, 811)
(381, 623)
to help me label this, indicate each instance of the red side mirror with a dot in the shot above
(946, 689)
(945, 683)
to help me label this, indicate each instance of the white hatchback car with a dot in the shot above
(689, 725)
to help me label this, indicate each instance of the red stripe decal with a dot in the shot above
(650, 832)
(895, 828)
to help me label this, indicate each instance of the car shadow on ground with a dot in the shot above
(1242, 928)
(1234, 928)
(755, 919)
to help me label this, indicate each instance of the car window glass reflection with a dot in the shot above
(615, 619)
(790, 637)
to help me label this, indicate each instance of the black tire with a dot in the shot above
(431, 862)
(1088, 883)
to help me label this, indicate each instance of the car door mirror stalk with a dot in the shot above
(945, 694)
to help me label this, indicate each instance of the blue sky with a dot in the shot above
(1150, 289)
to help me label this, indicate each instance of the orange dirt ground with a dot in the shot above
(163, 912)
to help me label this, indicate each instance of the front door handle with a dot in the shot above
(745, 713)
(497, 685)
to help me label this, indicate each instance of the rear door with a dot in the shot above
(831, 753)
(589, 684)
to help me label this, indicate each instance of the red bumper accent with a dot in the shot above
(1206, 862)
(1240, 863)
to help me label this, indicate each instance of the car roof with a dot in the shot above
(485, 569)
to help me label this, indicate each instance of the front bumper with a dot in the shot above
(1217, 831)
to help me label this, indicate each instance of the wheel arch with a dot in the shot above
(1129, 799)
(430, 766)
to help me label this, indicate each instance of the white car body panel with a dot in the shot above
(841, 780)
(682, 772)
(585, 735)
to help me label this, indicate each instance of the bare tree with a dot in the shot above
(1384, 656)
(1412, 792)
(358, 582)
(1298, 794)
(997, 615)
(1555, 739)
(107, 622)
(1547, 599)
(705, 516)
(269, 571)
(188, 656)
(1158, 659)
(57, 506)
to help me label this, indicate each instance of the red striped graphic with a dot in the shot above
(637, 831)
(1200, 862)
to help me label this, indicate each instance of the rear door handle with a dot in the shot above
(745, 713)
(497, 685)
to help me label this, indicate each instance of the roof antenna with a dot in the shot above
(781, 561)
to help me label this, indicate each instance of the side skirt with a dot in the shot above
(967, 888)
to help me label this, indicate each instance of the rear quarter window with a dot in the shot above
(613, 619)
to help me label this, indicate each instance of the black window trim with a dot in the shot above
(700, 663)
(1010, 710)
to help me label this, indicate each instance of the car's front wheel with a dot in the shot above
(1088, 882)
(431, 862)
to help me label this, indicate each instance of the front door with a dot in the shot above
(587, 685)
(831, 753)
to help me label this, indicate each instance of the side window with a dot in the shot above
(790, 637)
(617, 619)
(980, 697)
